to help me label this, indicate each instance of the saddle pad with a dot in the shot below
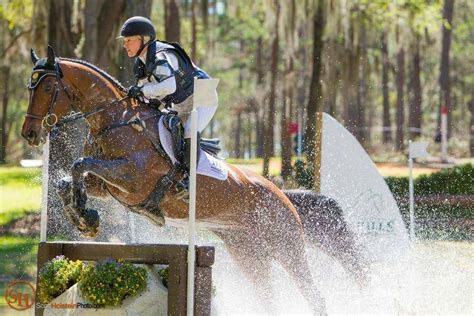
(207, 166)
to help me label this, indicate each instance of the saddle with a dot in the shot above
(211, 146)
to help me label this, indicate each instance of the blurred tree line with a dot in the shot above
(383, 68)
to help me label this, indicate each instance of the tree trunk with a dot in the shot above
(362, 99)
(400, 95)
(414, 115)
(193, 31)
(351, 84)
(332, 78)
(5, 98)
(285, 120)
(270, 122)
(172, 21)
(444, 80)
(102, 22)
(315, 92)
(259, 62)
(39, 32)
(387, 122)
(260, 129)
(60, 34)
(471, 127)
(237, 135)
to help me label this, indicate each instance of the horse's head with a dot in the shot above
(49, 100)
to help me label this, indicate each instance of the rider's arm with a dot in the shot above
(165, 82)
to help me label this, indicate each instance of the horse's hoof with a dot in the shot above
(89, 222)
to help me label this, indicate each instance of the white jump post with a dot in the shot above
(415, 150)
(44, 193)
(204, 96)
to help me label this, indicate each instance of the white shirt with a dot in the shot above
(152, 89)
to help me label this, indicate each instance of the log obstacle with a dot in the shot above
(175, 256)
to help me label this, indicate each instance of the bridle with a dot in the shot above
(51, 120)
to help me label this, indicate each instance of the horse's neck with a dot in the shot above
(93, 91)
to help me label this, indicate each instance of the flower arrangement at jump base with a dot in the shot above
(57, 276)
(106, 283)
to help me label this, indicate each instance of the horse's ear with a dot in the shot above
(34, 57)
(51, 55)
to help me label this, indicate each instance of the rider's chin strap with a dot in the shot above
(142, 46)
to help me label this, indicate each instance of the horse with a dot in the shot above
(256, 221)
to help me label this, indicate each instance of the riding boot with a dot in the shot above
(183, 185)
(174, 125)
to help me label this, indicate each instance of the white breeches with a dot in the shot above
(205, 114)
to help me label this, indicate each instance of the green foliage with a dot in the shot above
(304, 175)
(456, 180)
(57, 276)
(164, 274)
(108, 283)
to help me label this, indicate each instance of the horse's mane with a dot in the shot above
(100, 71)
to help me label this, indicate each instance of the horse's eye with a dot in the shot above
(47, 88)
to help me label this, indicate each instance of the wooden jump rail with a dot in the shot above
(175, 256)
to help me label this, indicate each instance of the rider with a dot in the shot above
(164, 76)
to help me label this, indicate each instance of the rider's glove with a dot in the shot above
(135, 92)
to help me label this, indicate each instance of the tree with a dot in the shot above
(400, 74)
(315, 92)
(61, 34)
(270, 118)
(102, 20)
(172, 21)
(387, 122)
(415, 91)
(444, 80)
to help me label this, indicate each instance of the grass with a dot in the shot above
(18, 256)
(385, 169)
(20, 193)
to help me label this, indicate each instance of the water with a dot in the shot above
(432, 277)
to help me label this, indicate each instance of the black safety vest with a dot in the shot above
(184, 75)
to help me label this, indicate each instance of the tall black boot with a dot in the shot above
(183, 185)
(174, 125)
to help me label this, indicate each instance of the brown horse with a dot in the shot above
(256, 220)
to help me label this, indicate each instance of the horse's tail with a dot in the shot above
(324, 224)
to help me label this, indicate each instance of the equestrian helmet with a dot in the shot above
(138, 25)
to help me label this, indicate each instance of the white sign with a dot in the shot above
(418, 149)
(205, 93)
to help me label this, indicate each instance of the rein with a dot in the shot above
(74, 116)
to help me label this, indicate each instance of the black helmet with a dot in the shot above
(138, 25)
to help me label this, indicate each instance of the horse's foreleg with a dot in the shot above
(87, 220)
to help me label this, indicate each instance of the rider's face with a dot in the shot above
(132, 45)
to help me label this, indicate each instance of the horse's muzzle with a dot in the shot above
(32, 137)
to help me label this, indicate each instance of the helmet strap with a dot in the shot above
(143, 45)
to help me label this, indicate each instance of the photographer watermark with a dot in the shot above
(20, 295)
